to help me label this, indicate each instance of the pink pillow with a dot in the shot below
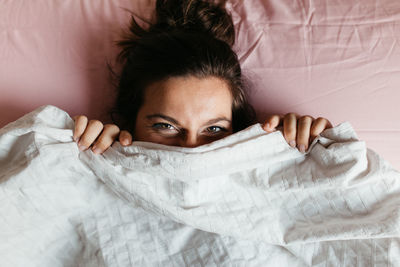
(335, 59)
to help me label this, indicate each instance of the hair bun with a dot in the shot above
(195, 15)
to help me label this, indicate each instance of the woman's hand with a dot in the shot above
(100, 137)
(298, 131)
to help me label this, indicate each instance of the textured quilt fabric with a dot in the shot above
(246, 200)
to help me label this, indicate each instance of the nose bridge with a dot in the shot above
(190, 140)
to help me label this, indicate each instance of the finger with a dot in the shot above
(328, 124)
(303, 132)
(318, 126)
(272, 122)
(93, 130)
(125, 138)
(106, 139)
(290, 128)
(80, 126)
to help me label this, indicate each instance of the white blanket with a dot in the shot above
(246, 200)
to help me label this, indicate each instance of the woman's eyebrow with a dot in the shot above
(168, 118)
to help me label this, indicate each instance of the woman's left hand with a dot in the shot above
(298, 130)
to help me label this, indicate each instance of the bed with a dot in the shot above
(336, 205)
(335, 59)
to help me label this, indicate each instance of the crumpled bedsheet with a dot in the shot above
(246, 200)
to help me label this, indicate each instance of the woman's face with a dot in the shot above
(185, 111)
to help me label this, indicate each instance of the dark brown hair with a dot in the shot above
(189, 38)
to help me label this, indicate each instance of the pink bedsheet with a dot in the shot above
(335, 59)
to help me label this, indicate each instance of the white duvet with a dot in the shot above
(245, 200)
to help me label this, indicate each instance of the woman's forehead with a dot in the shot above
(190, 95)
(191, 102)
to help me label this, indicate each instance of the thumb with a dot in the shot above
(271, 122)
(125, 138)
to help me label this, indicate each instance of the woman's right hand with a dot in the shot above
(98, 136)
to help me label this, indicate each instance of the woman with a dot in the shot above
(182, 85)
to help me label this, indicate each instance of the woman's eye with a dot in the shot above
(216, 129)
(163, 126)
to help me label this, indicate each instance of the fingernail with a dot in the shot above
(82, 148)
(292, 143)
(76, 139)
(266, 127)
(302, 148)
